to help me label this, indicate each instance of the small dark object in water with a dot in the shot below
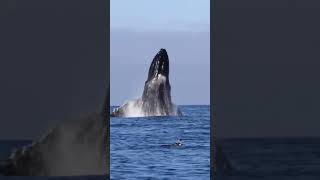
(177, 144)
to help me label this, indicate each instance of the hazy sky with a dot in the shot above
(140, 28)
(160, 15)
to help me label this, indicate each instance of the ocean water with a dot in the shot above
(140, 148)
(273, 158)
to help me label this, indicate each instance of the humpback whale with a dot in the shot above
(71, 148)
(156, 97)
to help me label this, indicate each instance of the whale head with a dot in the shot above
(156, 98)
(159, 65)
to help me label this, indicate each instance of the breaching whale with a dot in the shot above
(72, 148)
(156, 97)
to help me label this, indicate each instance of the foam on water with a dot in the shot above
(134, 109)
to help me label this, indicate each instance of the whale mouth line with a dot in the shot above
(159, 65)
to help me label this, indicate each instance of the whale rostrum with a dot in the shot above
(156, 97)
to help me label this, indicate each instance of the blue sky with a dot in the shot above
(140, 28)
(160, 14)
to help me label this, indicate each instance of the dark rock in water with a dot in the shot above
(156, 97)
(73, 148)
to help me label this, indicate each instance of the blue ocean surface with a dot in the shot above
(272, 158)
(141, 148)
